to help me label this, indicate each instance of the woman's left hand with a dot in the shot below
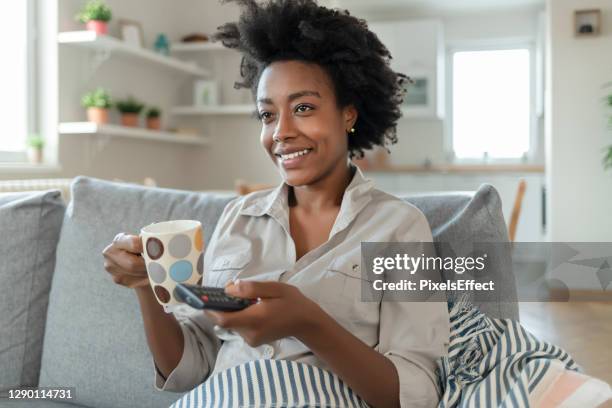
(282, 311)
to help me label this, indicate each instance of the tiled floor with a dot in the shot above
(584, 329)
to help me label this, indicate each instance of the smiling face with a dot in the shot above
(303, 130)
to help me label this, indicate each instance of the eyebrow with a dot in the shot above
(291, 97)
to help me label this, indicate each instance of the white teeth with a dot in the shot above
(294, 154)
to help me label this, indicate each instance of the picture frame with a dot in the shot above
(587, 23)
(206, 93)
(131, 32)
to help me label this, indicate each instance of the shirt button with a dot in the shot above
(268, 351)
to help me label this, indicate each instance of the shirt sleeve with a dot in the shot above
(200, 348)
(200, 344)
(413, 335)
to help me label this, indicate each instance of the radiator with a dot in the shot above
(61, 184)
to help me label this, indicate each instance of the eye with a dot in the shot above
(264, 116)
(303, 108)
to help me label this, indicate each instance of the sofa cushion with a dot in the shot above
(95, 339)
(30, 225)
(460, 222)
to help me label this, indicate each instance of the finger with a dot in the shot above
(211, 314)
(231, 320)
(107, 249)
(217, 318)
(129, 281)
(127, 242)
(130, 264)
(111, 266)
(115, 269)
(253, 289)
(118, 277)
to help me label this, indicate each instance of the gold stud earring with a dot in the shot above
(352, 130)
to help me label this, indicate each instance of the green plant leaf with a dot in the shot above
(129, 105)
(98, 98)
(95, 10)
(35, 142)
(153, 112)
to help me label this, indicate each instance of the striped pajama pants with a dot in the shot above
(271, 383)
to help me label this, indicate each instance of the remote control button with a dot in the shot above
(205, 298)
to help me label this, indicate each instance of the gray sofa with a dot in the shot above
(65, 323)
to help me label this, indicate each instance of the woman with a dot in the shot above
(324, 93)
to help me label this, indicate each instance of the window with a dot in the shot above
(491, 111)
(17, 79)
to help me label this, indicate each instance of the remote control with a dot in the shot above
(208, 297)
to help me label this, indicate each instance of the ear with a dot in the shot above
(349, 114)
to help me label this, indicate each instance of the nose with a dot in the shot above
(285, 128)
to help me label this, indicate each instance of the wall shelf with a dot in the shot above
(214, 110)
(91, 40)
(197, 47)
(90, 128)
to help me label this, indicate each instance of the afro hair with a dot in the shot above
(353, 56)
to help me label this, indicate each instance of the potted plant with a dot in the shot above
(129, 108)
(96, 15)
(97, 102)
(35, 145)
(153, 118)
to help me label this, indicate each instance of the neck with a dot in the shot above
(325, 193)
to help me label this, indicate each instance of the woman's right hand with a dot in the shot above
(123, 261)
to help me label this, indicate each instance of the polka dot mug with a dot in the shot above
(173, 252)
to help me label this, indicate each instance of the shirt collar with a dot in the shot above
(275, 202)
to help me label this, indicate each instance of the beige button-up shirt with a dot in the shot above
(252, 241)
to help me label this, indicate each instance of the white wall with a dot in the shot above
(579, 191)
